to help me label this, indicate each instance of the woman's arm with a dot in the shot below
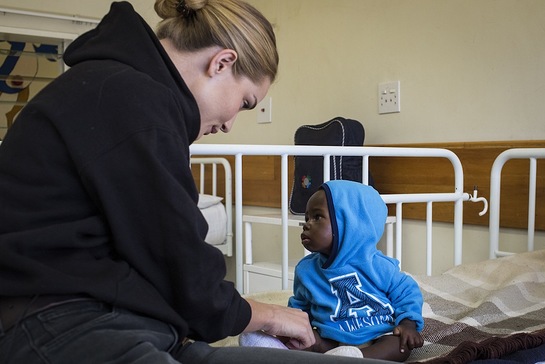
(282, 321)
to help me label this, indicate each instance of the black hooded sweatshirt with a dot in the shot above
(96, 192)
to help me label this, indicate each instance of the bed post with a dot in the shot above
(238, 221)
(285, 208)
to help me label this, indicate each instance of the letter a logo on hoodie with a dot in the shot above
(353, 302)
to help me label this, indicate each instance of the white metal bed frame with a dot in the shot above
(532, 154)
(457, 196)
(227, 247)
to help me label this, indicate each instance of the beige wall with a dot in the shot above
(82, 8)
(470, 70)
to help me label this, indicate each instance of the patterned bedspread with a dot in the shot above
(472, 303)
(475, 311)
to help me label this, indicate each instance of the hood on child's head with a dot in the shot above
(358, 215)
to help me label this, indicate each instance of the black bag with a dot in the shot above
(308, 174)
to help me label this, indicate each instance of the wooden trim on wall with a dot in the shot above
(398, 175)
(261, 180)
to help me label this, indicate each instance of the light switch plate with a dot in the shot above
(264, 111)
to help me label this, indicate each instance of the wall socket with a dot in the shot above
(388, 98)
(264, 111)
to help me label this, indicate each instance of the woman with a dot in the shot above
(103, 253)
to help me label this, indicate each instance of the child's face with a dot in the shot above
(317, 235)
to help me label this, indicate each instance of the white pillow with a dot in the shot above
(208, 200)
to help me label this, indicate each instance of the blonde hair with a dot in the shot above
(232, 24)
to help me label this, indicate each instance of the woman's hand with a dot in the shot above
(282, 321)
(409, 338)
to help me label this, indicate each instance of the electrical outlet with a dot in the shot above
(388, 97)
(264, 111)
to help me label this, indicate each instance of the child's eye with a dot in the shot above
(313, 218)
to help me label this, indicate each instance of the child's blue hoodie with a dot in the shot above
(357, 293)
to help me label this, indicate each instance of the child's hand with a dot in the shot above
(409, 338)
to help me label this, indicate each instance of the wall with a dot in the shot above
(469, 70)
(82, 8)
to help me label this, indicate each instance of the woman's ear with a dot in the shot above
(222, 61)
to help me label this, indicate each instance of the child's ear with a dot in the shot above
(222, 61)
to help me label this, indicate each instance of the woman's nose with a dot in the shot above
(227, 126)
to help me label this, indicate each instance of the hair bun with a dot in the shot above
(184, 9)
(174, 8)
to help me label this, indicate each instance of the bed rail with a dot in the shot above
(227, 247)
(532, 154)
(457, 196)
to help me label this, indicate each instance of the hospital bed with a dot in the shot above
(487, 309)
